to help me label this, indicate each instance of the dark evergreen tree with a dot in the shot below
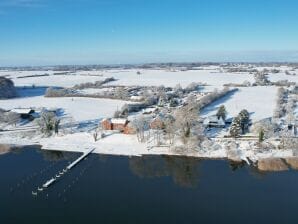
(222, 112)
(235, 129)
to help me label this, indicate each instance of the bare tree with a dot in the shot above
(48, 123)
(13, 118)
(186, 121)
(170, 130)
(266, 126)
(141, 124)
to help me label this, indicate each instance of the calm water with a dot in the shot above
(106, 189)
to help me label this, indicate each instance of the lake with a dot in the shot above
(150, 189)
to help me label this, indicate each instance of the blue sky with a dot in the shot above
(46, 32)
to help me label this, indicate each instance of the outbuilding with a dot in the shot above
(214, 122)
(25, 113)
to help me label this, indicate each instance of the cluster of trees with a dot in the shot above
(59, 92)
(285, 83)
(187, 127)
(9, 117)
(194, 86)
(183, 124)
(48, 123)
(240, 124)
(280, 109)
(7, 88)
(289, 73)
(290, 110)
(261, 78)
(244, 84)
(265, 129)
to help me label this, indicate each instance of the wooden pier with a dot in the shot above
(69, 167)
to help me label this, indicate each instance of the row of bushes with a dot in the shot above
(97, 84)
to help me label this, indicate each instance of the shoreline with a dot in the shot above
(267, 163)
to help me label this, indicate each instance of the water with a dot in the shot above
(153, 189)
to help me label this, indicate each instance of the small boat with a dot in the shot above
(61, 173)
(57, 176)
(34, 193)
(40, 189)
(64, 170)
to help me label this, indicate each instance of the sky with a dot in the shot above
(52, 32)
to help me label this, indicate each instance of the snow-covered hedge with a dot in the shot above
(212, 97)
(97, 84)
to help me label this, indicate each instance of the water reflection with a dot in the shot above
(55, 156)
(4, 149)
(236, 165)
(184, 171)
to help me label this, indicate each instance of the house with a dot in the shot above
(114, 124)
(159, 122)
(137, 98)
(129, 129)
(25, 113)
(214, 122)
(150, 110)
(118, 124)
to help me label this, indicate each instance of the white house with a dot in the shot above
(214, 122)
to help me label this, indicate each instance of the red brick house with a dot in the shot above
(118, 124)
(159, 122)
(129, 129)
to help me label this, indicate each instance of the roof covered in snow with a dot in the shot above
(22, 110)
(118, 121)
(214, 119)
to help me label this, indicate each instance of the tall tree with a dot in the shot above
(222, 112)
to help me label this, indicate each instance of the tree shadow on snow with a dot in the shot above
(213, 107)
(88, 125)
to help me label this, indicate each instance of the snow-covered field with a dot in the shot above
(81, 109)
(68, 80)
(260, 101)
(170, 78)
(283, 76)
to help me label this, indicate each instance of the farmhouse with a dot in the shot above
(214, 122)
(118, 124)
(159, 122)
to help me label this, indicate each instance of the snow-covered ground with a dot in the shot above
(81, 109)
(93, 91)
(260, 101)
(170, 78)
(68, 80)
(283, 76)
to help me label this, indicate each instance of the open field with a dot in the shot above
(86, 112)
(259, 101)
